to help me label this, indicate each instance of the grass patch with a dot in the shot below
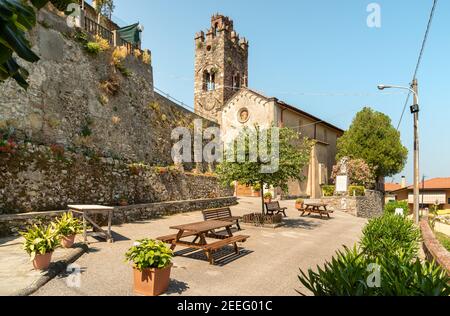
(444, 240)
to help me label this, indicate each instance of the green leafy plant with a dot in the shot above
(348, 273)
(67, 225)
(268, 196)
(328, 190)
(389, 235)
(356, 190)
(299, 201)
(390, 207)
(17, 18)
(93, 48)
(148, 253)
(40, 240)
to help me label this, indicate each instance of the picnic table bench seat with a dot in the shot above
(169, 238)
(273, 207)
(222, 214)
(211, 248)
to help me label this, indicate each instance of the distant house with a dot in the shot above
(433, 191)
(388, 189)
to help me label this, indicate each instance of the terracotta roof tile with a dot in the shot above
(389, 187)
(434, 184)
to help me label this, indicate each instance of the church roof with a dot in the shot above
(297, 110)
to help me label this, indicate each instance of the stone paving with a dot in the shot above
(268, 264)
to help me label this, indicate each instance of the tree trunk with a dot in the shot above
(262, 198)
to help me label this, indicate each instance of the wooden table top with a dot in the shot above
(316, 204)
(205, 226)
(90, 208)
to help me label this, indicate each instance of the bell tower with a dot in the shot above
(221, 67)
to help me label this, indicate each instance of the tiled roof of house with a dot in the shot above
(389, 187)
(433, 184)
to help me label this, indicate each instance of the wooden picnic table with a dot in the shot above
(200, 231)
(317, 208)
(86, 211)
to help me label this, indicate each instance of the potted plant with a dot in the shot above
(123, 201)
(268, 197)
(299, 204)
(152, 262)
(68, 227)
(40, 243)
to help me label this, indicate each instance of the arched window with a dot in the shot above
(236, 82)
(209, 81)
(216, 28)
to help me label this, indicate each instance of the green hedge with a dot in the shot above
(390, 207)
(356, 190)
(328, 190)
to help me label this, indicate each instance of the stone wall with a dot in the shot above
(40, 178)
(433, 250)
(84, 103)
(369, 206)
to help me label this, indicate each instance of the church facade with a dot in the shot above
(222, 95)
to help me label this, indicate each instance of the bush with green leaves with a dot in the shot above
(93, 48)
(390, 207)
(356, 190)
(350, 273)
(328, 190)
(148, 254)
(40, 240)
(268, 196)
(67, 225)
(390, 235)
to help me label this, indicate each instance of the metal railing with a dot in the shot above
(94, 28)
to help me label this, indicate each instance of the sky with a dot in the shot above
(320, 56)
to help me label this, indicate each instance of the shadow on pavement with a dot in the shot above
(302, 223)
(222, 257)
(177, 287)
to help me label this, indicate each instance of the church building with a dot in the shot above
(222, 95)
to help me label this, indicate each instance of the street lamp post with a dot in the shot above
(415, 111)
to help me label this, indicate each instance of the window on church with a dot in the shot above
(211, 82)
(216, 28)
(236, 82)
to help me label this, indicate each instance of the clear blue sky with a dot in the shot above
(318, 55)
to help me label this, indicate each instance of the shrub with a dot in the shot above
(328, 190)
(299, 201)
(389, 235)
(146, 57)
(119, 54)
(257, 187)
(102, 43)
(356, 190)
(40, 240)
(67, 225)
(93, 48)
(349, 271)
(147, 254)
(358, 171)
(390, 207)
(268, 196)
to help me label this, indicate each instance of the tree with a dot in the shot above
(294, 155)
(372, 137)
(358, 172)
(104, 7)
(17, 18)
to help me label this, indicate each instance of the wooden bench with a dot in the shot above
(170, 238)
(211, 248)
(222, 214)
(275, 207)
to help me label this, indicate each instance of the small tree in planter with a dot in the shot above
(268, 197)
(40, 243)
(152, 262)
(68, 227)
(299, 203)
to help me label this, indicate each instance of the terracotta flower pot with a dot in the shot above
(151, 282)
(299, 206)
(267, 200)
(42, 262)
(67, 242)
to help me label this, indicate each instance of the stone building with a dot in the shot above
(222, 94)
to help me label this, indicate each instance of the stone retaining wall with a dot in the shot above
(11, 225)
(432, 248)
(369, 206)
